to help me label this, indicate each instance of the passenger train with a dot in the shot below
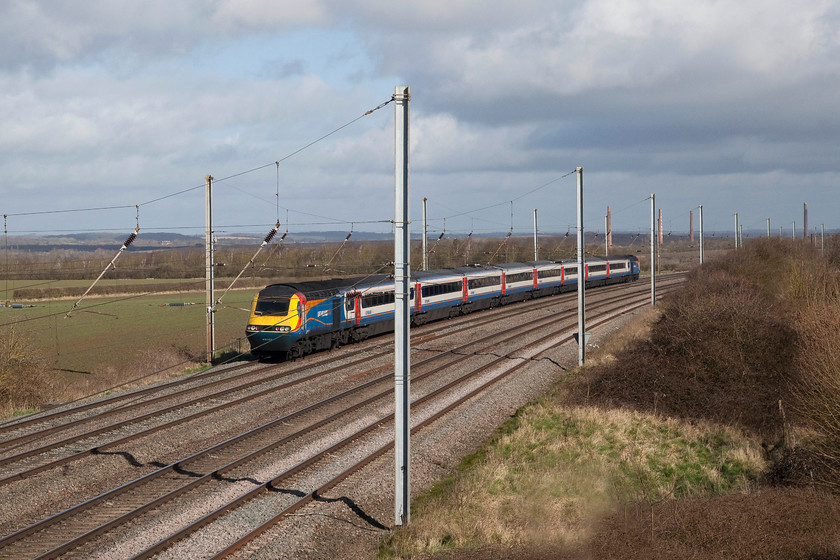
(291, 320)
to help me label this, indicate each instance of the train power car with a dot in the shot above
(295, 319)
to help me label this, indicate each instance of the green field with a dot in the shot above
(116, 331)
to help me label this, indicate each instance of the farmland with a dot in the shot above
(125, 328)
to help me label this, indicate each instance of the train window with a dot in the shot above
(272, 306)
(618, 266)
(571, 270)
(597, 268)
(440, 289)
(378, 298)
(550, 273)
(485, 282)
(349, 303)
(519, 277)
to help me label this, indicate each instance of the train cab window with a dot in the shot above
(272, 306)
(349, 303)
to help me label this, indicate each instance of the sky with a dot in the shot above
(114, 111)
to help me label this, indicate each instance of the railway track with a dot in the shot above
(39, 444)
(225, 469)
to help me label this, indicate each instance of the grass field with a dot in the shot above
(115, 331)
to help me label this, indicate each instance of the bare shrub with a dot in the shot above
(24, 381)
(817, 387)
(719, 352)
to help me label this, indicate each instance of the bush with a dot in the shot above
(720, 350)
(24, 380)
(817, 386)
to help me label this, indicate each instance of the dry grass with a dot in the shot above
(715, 435)
(28, 383)
(556, 470)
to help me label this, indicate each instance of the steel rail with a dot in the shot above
(112, 427)
(84, 505)
(205, 520)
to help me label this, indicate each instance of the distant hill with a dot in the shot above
(93, 241)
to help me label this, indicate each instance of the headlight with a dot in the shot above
(270, 328)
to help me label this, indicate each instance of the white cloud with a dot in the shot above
(504, 95)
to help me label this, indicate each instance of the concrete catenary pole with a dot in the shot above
(701, 234)
(606, 236)
(609, 227)
(691, 226)
(768, 228)
(581, 271)
(423, 245)
(536, 238)
(208, 267)
(736, 230)
(805, 225)
(653, 249)
(402, 341)
(793, 230)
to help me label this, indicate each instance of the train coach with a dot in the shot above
(292, 320)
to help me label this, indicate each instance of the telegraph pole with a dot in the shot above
(425, 252)
(208, 267)
(402, 339)
(606, 235)
(581, 270)
(701, 234)
(653, 249)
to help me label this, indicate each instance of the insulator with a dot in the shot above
(130, 239)
(348, 236)
(270, 236)
(284, 236)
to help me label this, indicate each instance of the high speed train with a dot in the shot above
(292, 320)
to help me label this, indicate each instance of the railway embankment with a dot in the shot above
(709, 430)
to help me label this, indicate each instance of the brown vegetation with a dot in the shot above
(24, 383)
(28, 382)
(751, 343)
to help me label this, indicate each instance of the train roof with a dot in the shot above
(317, 289)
